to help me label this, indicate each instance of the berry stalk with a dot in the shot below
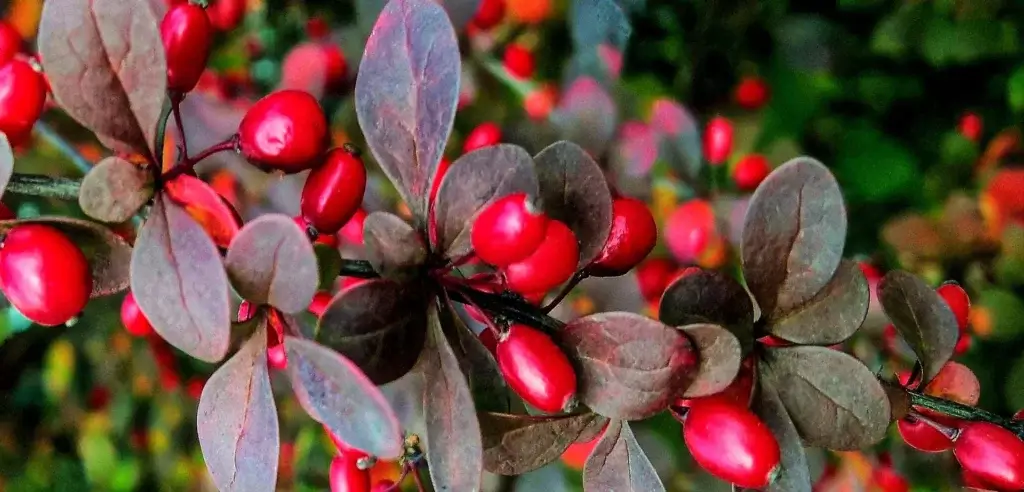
(44, 186)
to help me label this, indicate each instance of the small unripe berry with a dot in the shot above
(135, 323)
(333, 191)
(43, 274)
(959, 302)
(536, 369)
(484, 135)
(752, 93)
(632, 237)
(22, 98)
(489, 14)
(750, 171)
(519, 61)
(285, 131)
(992, 454)
(508, 230)
(346, 475)
(718, 140)
(10, 42)
(187, 36)
(551, 264)
(530, 11)
(971, 126)
(731, 443)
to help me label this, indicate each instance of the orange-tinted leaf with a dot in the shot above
(219, 220)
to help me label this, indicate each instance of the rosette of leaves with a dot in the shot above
(809, 298)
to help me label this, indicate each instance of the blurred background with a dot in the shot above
(913, 104)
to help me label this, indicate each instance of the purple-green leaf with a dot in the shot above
(573, 190)
(179, 282)
(709, 296)
(793, 236)
(473, 182)
(794, 475)
(272, 262)
(923, 319)
(393, 247)
(833, 315)
(618, 463)
(680, 137)
(334, 392)
(237, 421)
(454, 447)
(587, 115)
(104, 60)
(720, 358)
(490, 392)
(628, 366)
(114, 190)
(516, 444)
(406, 93)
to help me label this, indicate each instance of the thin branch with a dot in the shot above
(161, 135)
(53, 138)
(964, 412)
(576, 279)
(176, 110)
(44, 186)
(188, 164)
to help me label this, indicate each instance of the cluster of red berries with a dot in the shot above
(749, 171)
(23, 88)
(350, 470)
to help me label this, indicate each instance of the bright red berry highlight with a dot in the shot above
(22, 99)
(489, 14)
(334, 191)
(750, 171)
(731, 443)
(971, 126)
(519, 61)
(285, 131)
(632, 237)
(43, 274)
(991, 454)
(959, 302)
(752, 93)
(508, 230)
(346, 475)
(484, 135)
(718, 140)
(135, 323)
(187, 36)
(553, 263)
(10, 42)
(536, 369)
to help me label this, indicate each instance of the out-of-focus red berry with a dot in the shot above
(750, 171)
(519, 61)
(971, 126)
(752, 93)
(718, 140)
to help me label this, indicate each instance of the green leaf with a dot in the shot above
(1014, 388)
(1001, 314)
(99, 457)
(1015, 90)
(873, 167)
(921, 316)
(328, 263)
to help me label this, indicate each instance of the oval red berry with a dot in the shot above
(333, 191)
(284, 131)
(632, 237)
(991, 454)
(536, 369)
(187, 36)
(731, 443)
(508, 230)
(43, 274)
(553, 263)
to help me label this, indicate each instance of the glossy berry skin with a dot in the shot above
(352, 231)
(384, 486)
(10, 42)
(489, 14)
(536, 369)
(718, 140)
(346, 475)
(484, 135)
(654, 275)
(519, 61)
(922, 436)
(135, 323)
(731, 443)
(992, 454)
(333, 191)
(43, 274)
(187, 36)
(632, 237)
(22, 99)
(959, 302)
(750, 171)
(553, 263)
(284, 131)
(971, 126)
(752, 93)
(508, 230)
(225, 15)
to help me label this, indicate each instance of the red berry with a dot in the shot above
(519, 61)
(10, 42)
(135, 323)
(922, 436)
(553, 262)
(352, 231)
(7, 214)
(540, 101)
(43, 274)
(752, 93)
(187, 36)
(971, 126)
(489, 14)
(484, 135)
(317, 28)
(442, 169)
(992, 454)
(654, 275)
(508, 230)
(277, 359)
(738, 392)
(731, 443)
(286, 131)
(631, 239)
(886, 479)
(22, 97)
(536, 369)
(691, 231)
(575, 456)
(246, 310)
(718, 140)
(334, 191)
(959, 302)
(194, 388)
(346, 475)
(750, 171)
(1019, 415)
(225, 15)
(319, 303)
(384, 486)
(963, 344)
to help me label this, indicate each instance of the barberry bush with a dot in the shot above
(361, 292)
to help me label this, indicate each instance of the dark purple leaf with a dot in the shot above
(680, 137)
(271, 261)
(393, 247)
(237, 421)
(720, 358)
(834, 400)
(104, 60)
(709, 296)
(473, 182)
(516, 444)
(628, 366)
(921, 316)
(793, 236)
(114, 190)
(833, 315)
(334, 392)
(108, 254)
(454, 448)
(617, 463)
(379, 325)
(406, 93)
(794, 475)
(490, 392)
(573, 190)
(586, 115)
(179, 282)
(6, 162)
